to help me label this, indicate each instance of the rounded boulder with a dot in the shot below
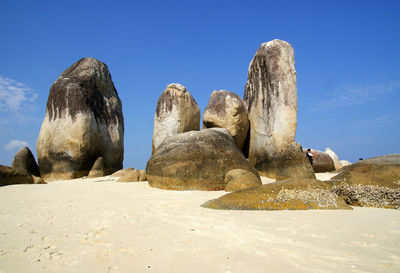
(196, 160)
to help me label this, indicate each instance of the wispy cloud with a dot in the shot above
(17, 104)
(15, 144)
(384, 120)
(354, 95)
(14, 95)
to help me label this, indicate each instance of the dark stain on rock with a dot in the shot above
(216, 103)
(263, 77)
(85, 94)
(164, 103)
(66, 164)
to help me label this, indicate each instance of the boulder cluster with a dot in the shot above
(243, 139)
(258, 136)
(82, 134)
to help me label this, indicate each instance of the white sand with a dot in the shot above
(87, 226)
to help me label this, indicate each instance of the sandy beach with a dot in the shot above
(98, 225)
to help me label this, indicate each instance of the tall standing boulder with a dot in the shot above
(25, 161)
(83, 121)
(176, 112)
(271, 100)
(227, 110)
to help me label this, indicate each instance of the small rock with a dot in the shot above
(238, 179)
(25, 162)
(130, 176)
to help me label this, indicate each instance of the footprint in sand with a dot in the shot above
(29, 247)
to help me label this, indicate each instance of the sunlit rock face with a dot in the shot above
(196, 160)
(83, 121)
(334, 157)
(227, 110)
(271, 100)
(374, 182)
(290, 194)
(176, 112)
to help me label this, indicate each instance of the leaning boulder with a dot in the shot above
(335, 158)
(373, 182)
(176, 112)
(100, 168)
(25, 161)
(271, 100)
(292, 194)
(227, 110)
(196, 160)
(239, 179)
(83, 121)
(9, 176)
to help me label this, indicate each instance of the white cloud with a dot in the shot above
(15, 96)
(384, 120)
(17, 104)
(355, 95)
(15, 144)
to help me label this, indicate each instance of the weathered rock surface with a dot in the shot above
(120, 173)
(38, 180)
(373, 182)
(25, 161)
(322, 162)
(271, 100)
(227, 110)
(239, 179)
(292, 194)
(196, 160)
(83, 121)
(335, 158)
(142, 175)
(131, 175)
(289, 163)
(100, 168)
(176, 112)
(9, 176)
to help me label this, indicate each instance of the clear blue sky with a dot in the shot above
(347, 60)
